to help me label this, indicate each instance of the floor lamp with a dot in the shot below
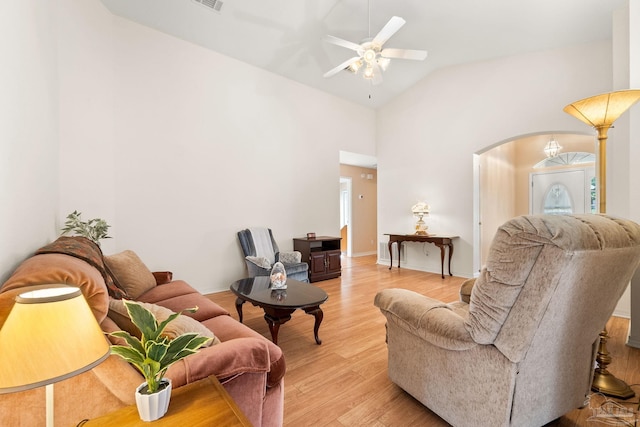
(49, 335)
(600, 111)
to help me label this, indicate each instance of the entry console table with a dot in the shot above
(443, 242)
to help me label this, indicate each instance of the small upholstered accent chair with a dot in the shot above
(522, 351)
(261, 252)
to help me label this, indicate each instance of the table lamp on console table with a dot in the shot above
(421, 210)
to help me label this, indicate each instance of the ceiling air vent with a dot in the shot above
(215, 5)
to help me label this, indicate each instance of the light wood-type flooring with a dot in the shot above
(343, 381)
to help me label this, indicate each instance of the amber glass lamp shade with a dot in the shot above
(600, 111)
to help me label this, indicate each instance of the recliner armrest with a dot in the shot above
(427, 318)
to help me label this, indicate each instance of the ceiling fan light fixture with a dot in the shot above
(369, 56)
(384, 63)
(355, 66)
(368, 72)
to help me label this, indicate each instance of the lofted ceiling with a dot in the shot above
(285, 36)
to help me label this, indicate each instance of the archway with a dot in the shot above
(502, 180)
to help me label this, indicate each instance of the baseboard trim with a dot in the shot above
(363, 254)
(632, 341)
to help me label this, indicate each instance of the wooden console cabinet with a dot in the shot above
(322, 254)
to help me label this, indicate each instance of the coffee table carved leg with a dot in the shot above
(319, 315)
(274, 323)
(239, 302)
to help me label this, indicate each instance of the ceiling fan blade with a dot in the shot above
(394, 24)
(418, 55)
(341, 67)
(344, 43)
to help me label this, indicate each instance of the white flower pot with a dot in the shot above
(153, 406)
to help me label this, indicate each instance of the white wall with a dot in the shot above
(179, 147)
(87, 110)
(458, 111)
(28, 130)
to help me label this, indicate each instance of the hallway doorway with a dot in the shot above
(345, 215)
(358, 204)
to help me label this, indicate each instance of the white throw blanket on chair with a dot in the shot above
(262, 242)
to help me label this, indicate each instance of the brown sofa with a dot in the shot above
(250, 367)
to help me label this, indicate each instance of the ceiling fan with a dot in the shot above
(372, 58)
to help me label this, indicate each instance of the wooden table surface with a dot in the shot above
(204, 403)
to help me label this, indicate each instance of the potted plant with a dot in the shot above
(152, 355)
(94, 229)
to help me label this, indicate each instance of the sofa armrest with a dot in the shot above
(163, 277)
(424, 317)
(226, 360)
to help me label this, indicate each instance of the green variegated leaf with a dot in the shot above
(143, 319)
(129, 354)
(131, 340)
(164, 324)
(182, 346)
(156, 351)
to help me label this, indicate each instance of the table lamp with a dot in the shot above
(600, 111)
(420, 210)
(50, 335)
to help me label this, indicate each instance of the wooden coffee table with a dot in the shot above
(279, 304)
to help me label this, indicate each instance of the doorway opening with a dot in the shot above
(504, 174)
(345, 215)
(358, 204)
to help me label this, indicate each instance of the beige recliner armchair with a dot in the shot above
(522, 352)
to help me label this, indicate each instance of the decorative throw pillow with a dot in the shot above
(259, 261)
(180, 325)
(130, 273)
(290, 257)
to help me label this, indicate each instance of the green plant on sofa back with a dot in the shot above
(94, 229)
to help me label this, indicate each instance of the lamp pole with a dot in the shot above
(600, 111)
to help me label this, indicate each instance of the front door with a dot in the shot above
(562, 192)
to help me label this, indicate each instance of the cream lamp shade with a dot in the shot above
(50, 335)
